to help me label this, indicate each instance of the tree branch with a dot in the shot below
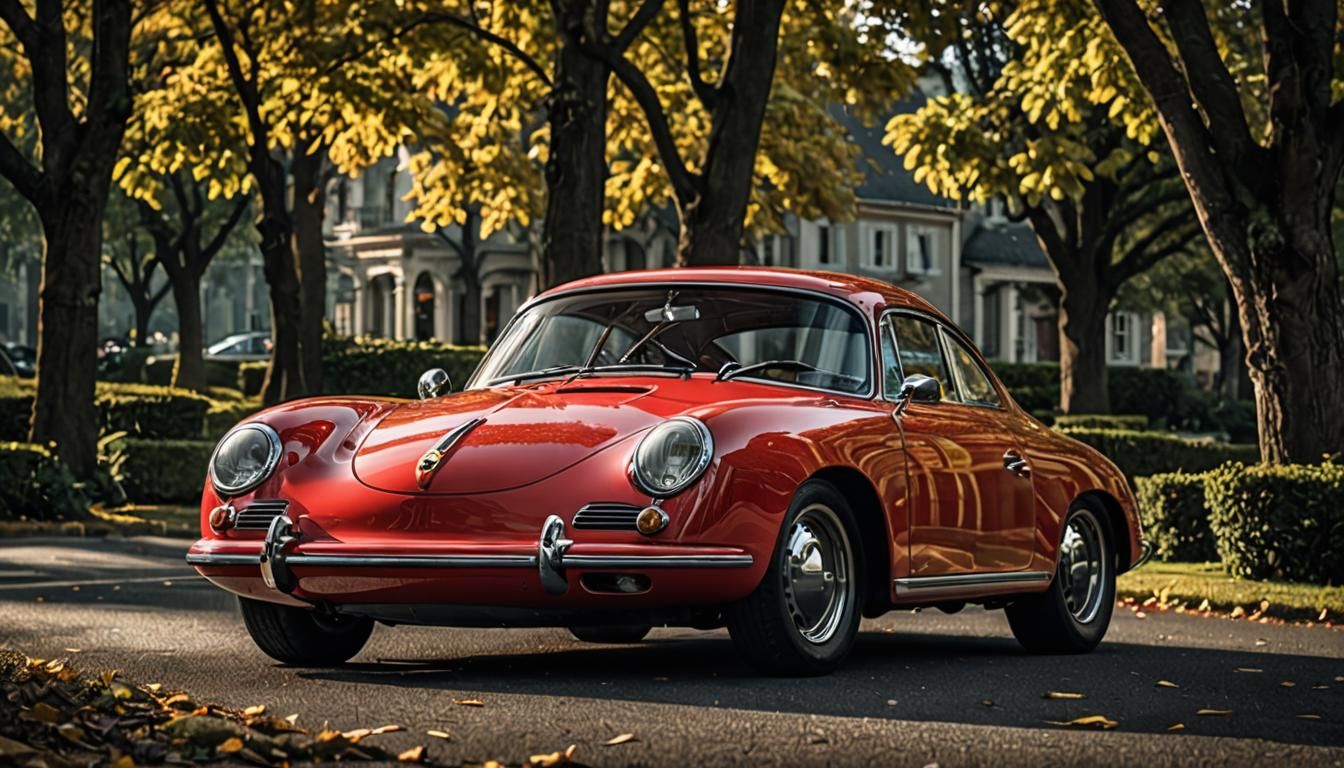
(648, 10)
(225, 229)
(707, 93)
(1210, 82)
(20, 23)
(1127, 214)
(245, 86)
(450, 19)
(25, 177)
(1142, 254)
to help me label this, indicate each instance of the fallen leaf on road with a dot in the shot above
(1140, 615)
(623, 738)
(292, 719)
(71, 732)
(257, 710)
(1308, 717)
(167, 583)
(1249, 669)
(1204, 606)
(469, 702)
(1166, 684)
(1287, 684)
(124, 761)
(380, 730)
(354, 736)
(1214, 712)
(1324, 611)
(11, 748)
(1102, 721)
(413, 755)
(73, 650)
(231, 745)
(44, 713)
(1174, 727)
(554, 758)
(1238, 612)
(987, 702)
(1063, 695)
(441, 735)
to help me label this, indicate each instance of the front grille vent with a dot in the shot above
(607, 516)
(258, 515)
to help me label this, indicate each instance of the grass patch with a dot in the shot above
(130, 520)
(1206, 587)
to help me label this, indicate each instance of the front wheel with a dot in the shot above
(302, 637)
(613, 634)
(804, 615)
(1073, 614)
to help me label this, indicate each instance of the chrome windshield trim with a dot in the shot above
(873, 386)
(921, 584)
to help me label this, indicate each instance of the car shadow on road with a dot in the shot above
(925, 677)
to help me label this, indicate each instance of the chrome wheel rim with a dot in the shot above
(1082, 566)
(818, 587)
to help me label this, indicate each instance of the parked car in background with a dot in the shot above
(18, 360)
(241, 347)
(777, 452)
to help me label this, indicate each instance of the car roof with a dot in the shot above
(865, 292)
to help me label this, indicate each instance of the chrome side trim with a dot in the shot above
(658, 561)
(484, 561)
(1146, 550)
(194, 558)
(932, 584)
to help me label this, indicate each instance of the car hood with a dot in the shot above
(505, 437)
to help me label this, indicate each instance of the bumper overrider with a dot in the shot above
(281, 552)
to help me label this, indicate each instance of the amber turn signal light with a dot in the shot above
(221, 517)
(651, 520)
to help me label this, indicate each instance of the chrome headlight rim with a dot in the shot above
(702, 462)
(272, 459)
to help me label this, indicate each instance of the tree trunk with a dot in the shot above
(1083, 386)
(712, 223)
(311, 256)
(144, 308)
(1289, 304)
(576, 166)
(189, 373)
(63, 410)
(284, 376)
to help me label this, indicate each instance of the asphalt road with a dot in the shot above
(919, 689)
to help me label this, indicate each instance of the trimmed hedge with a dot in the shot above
(1139, 454)
(34, 485)
(137, 409)
(365, 366)
(159, 371)
(158, 471)
(250, 378)
(223, 416)
(1176, 518)
(1102, 421)
(1279, 522)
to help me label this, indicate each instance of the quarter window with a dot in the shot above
(891, 364)
(976, 388)
(920, 352)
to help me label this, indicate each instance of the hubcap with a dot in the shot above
(817, 581)
(1082, 566)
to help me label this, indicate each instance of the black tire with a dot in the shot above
(301, 637)
(611, 634)
(768, 627)
(1054, 621)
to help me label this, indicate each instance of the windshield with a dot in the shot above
(771, 335)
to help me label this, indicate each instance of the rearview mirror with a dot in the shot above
(671, 314)
(433, 383)
(918, 388)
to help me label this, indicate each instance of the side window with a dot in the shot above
(920, 352)
(976, 388)
(891, 365)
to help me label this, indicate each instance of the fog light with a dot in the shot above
(221, 517)
(651, 520)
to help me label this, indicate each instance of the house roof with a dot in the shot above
(885, 177)
(1007, 244)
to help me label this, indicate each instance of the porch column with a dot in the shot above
(978, 310)
(400, 307)
(1010, 313)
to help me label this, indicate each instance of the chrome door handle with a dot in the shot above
(1014, 462)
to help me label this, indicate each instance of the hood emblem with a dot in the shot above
(429, 464)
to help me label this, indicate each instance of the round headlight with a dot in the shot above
(245, 457)
(671, 456)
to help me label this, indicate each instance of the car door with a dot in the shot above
(968, 511)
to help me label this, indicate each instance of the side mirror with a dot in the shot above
(918, 388)
(433, 383)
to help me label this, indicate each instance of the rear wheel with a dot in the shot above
(611, 634)
(1073, 614)
(303, 637)
(804, 615)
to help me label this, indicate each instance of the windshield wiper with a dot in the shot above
(728, 372)
(680, 370)
(555, 370)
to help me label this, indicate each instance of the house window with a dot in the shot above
(769, 250)
(879, 247)
(921, 255)
(823, 244)
(1124, 338)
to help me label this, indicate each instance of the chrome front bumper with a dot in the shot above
(276, 558)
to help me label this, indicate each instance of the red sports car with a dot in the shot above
(774, 451)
